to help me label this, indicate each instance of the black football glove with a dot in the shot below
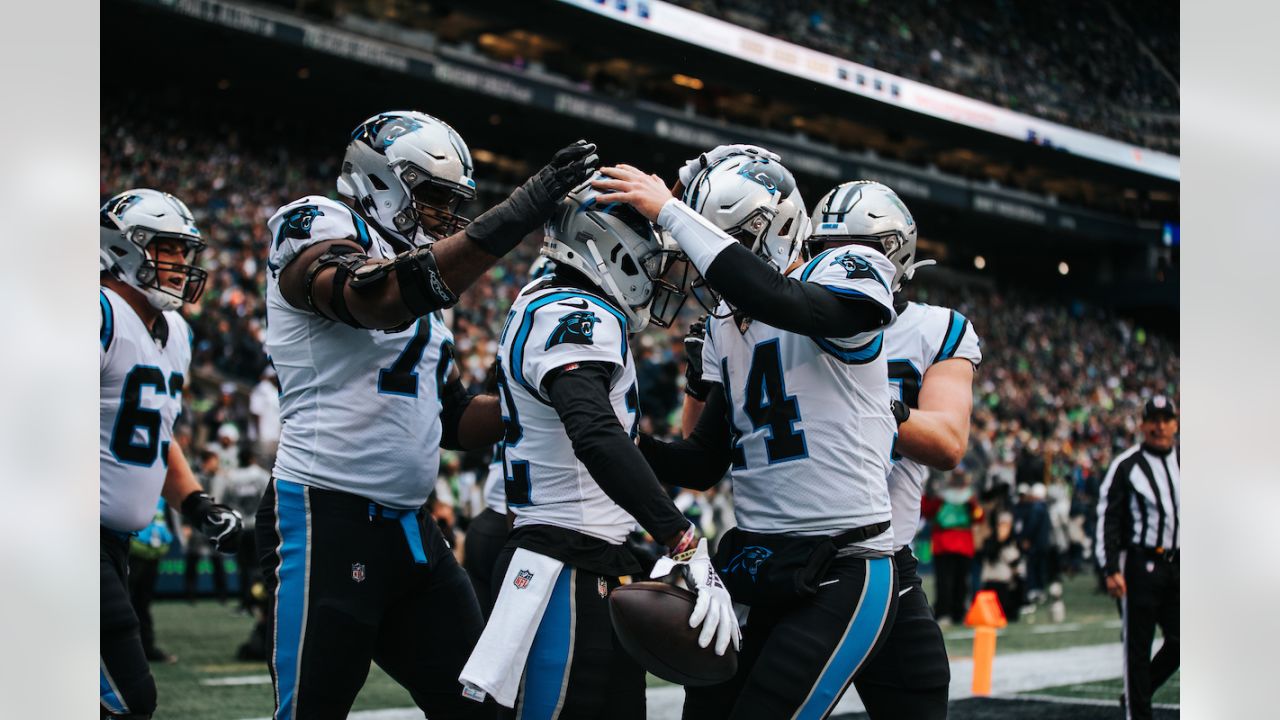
(221, 524)
(694, 386)
(503, 226)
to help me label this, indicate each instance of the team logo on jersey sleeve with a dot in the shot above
(749, 559)
(297, 224)
(856, 266)
(574, 328)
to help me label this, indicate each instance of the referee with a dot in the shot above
(1138, 537)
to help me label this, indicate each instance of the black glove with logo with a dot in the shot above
(901, 411)
(221, 524)
(503, 226)
(694, 386)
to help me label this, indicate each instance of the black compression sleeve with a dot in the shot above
(454, 400)
(764, 294)
(581, 399)
(699, 461)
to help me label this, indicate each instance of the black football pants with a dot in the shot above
(910, 676)
(486, 535)
(797, 659)
(1151, 598)
(348, 582)
(576, 669)
(126, 688)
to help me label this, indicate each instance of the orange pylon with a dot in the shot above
(985, 617)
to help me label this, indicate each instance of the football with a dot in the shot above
(652, 622)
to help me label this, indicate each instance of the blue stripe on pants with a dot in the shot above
(291, 593)
(859, 637)
(111, 699)
(547, 669)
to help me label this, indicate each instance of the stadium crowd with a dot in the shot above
(1059, 390)
(1078, 65)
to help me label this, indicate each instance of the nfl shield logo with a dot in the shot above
(357, 572)
(522, 579)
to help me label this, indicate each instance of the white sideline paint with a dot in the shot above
(263, 679)
(1013, 673)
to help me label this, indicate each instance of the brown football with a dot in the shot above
(652, 622)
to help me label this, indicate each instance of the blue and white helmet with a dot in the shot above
(865, 211)
(754, 199)
(409, 172)
(619, 251)
(129, 223)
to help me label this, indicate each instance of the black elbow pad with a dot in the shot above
(421, 287)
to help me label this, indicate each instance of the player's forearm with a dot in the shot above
(479, 425)
(699, 460)
(689, 415)
(179, 481)
(935, 438)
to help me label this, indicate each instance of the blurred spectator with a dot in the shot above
(243, 490)
(1002, 567)
(198, 548)
(1031, 528)
(264, 417)
(952, 516)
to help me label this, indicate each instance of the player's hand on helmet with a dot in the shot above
(694, 386)
(709, 158)
(627, 184)
(713, 610)
(221, 524)
(501, 227)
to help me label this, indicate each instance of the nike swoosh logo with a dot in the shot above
(907, 589)
(583, 306)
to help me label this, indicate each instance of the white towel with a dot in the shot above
(497, 662)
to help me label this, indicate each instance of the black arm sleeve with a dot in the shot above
(755, 288)
(454, 401)
(581, 399)
(699, 461)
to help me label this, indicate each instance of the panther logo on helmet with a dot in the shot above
(379, 132)
(574, 328)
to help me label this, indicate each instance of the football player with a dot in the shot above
(797, 412)
(574, 478)
(147, 249)
(357, 569)
(487, 532)
(932, 352)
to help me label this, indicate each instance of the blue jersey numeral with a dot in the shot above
(515, 474)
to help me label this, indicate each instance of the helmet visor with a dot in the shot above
(436, 201)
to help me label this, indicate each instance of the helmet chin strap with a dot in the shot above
(910, 271)
(635, 322)
(161, 300)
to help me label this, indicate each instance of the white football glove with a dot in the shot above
(713, 609)
(698, 164)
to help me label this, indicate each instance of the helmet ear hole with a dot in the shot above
(377, 182)
(628, 266)
(786, 228)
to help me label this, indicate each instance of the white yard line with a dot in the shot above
(1013, 673)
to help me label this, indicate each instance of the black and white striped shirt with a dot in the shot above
(1138, 504)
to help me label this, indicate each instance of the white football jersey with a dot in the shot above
(921, 336)
(550, 327)
(812, 430)
(141, 385)
(360, 408)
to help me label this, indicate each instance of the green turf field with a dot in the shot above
(208, 682)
